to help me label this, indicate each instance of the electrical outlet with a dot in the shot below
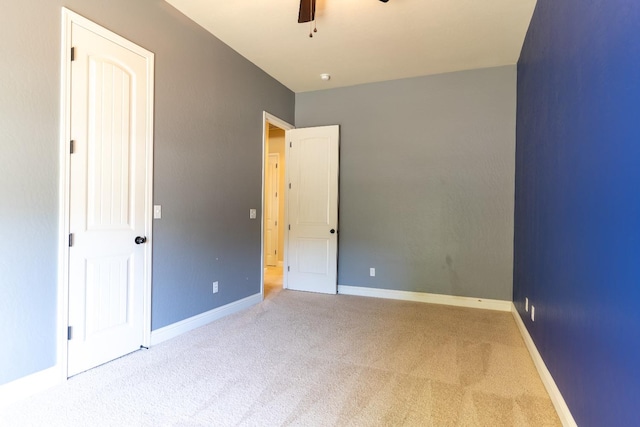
(252, 213)
(372, 272)
(215, 287)
(533, 314)
(526, 304)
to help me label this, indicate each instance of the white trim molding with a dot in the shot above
(554, 393)
(186, 325)
(24, 387)
(487, 304)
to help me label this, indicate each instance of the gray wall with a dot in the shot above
(426, 181)
(208, 165)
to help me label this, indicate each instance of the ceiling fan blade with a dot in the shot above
(307, 11)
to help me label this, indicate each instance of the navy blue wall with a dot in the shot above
(577, 213)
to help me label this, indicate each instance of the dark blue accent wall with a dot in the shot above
(577, 210)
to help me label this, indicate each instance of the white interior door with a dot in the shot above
(108, 206)
(271, 210)
(313, 209)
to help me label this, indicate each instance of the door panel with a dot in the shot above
(109, 107)
(313, 209)
(108, 184)
(313, 256)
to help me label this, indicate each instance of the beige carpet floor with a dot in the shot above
(313, 360)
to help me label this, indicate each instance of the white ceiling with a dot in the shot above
(363, 41)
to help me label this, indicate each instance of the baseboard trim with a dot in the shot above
(554, 393)
(179, 328)
(28, 386)
(487, 304)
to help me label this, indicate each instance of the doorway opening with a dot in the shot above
(299, 207)
(274, 205)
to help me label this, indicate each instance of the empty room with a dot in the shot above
(320, 212)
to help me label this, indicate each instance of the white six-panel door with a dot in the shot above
(107, 200)
(313, 209)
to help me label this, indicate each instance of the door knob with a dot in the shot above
(332, 231)
(140, 240)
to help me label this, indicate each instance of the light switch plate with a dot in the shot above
(157, 211)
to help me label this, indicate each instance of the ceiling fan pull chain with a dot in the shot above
(315, 28)
(307, 13)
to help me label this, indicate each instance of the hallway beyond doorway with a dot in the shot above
(272, 281)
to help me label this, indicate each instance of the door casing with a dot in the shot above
(69, 17)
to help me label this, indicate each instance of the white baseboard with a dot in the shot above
(487, 304)
(27, 386)
(179, 328)
(554, 393)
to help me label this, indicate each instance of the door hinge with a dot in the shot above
(276, 223)
(289, 227)
(276, 194)
(69, 332)
(288, 268)
(276, 166)
(70, 239)
(73, 53)
(289, 186)
(290, 144)
(71, 146)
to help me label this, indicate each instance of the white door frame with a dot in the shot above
(266, 119)
(69, 17)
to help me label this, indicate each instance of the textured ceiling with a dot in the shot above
(363, 41)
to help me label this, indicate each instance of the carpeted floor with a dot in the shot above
(313, 360)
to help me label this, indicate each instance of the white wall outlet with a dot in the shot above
(157, 211)
(533, 314)
(215, 287)
(526, 304)
(372, 272)
(252, 214)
